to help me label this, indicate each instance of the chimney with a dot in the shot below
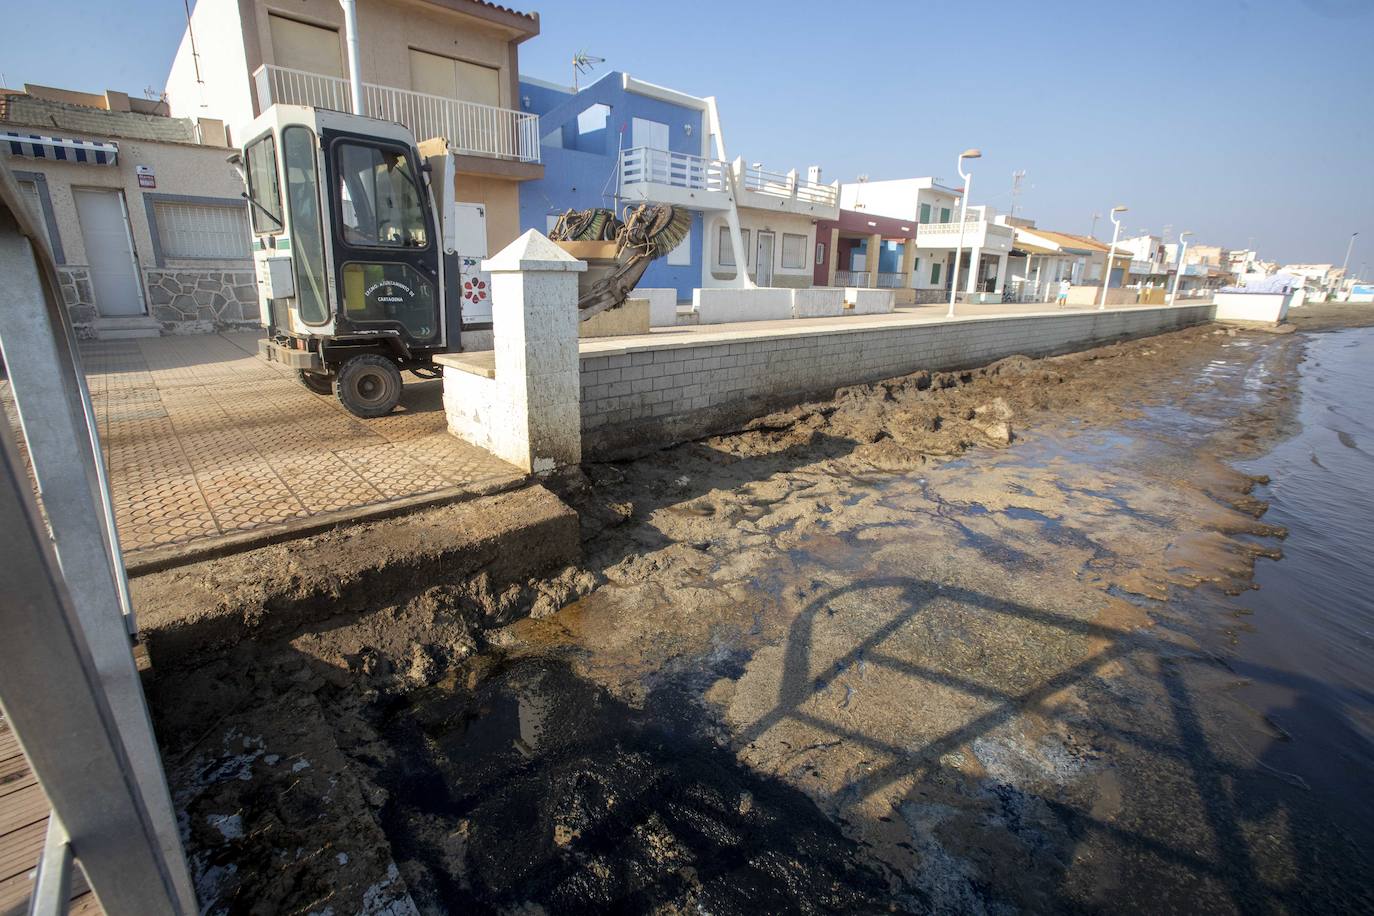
(813, 174)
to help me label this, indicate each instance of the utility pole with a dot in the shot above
(1092, 233)
(1016, 178)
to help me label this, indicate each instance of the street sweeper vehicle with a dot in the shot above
(356, 230)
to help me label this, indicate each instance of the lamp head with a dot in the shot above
(1119, 209)
(971, 154)
(1184, 234)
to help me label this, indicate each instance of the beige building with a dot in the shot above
(142, 213)
(444, 68)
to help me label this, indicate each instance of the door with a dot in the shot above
(109, 252)
(385, 250)
(652, 135)
(470, 240)
(763, 260)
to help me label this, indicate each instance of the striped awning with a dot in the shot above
(60, 149)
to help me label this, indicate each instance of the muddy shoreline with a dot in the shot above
(927, 646)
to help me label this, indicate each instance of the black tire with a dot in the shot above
(316, 382)
(368, 386)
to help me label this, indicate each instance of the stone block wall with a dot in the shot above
(651, 395)
(191, 300)
(185, 301)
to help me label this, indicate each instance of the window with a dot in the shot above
(944, 214)
(202, 230)
(820, 253)
(925, 213)
(28, 190)
(307, 243)
(649, 134)
(725, 253)
(301, 46)
(935, 272)
(264, 196)
(379, 198)
(793, 251)
(681, 256)
(434, 74)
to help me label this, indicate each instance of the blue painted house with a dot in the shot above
(582, 137)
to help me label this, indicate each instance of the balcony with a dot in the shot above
(469, 127)
(766, 190)
(661, 176)
(976, 234)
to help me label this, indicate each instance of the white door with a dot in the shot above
(109, 252)
(763, 260)
(652, 135)
(470, 244)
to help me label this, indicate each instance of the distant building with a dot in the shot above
(143, 215)
(1320, 281)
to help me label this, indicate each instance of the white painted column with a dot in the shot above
(538, 423)
(1002, 272)
(975, 258)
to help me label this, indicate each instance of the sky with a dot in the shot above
(1238, 119)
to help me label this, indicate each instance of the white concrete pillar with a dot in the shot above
(1001, 273)
(975, 257)
(538, 423)
(872, 253)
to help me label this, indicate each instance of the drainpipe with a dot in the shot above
(732, 215)
(355, 80)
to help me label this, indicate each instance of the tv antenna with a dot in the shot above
(583, 62)
(1017, 177)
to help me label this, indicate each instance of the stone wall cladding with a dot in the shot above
(930, 296)
(647, 398)
(188, 300)
(77, 296)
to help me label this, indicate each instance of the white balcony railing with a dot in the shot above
(642, 165)
(469, 127)
(882, 280)
(949, 231)
(851, 278)
(778, 184)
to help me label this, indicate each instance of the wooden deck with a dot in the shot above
(23, 822)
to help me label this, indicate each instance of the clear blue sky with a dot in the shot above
(1233, 118)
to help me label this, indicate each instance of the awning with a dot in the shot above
(60, 149)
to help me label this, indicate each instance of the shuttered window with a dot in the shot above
(301, 46)
(793, 251)
(434, 74)
(202, 231)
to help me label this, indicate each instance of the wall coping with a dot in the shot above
(598, 347)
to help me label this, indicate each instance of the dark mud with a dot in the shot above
(932, 646)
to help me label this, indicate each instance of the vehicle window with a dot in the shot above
(307, 235)
(263, 189)
(379, 198)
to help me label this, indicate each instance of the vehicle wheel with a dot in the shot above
(315, 381)
(368, 386)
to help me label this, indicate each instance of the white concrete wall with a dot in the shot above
(662, 305)
(1269, 308)
(717, 306)
(648, 395)
(225, 88)
(818, 302)
(869, 301)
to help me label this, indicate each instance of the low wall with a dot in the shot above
(869, 301)
(662, 305)
(722, 304)
(818, 302)
(1092, 295)
(1262, 308)
(650, 395)
(183, 300)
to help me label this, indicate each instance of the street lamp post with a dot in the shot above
(963, 220)
(1348, 248)
(1111, 256)
(1178, 271)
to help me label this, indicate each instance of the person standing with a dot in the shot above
(1063, 299)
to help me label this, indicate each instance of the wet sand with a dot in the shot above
(935, 645)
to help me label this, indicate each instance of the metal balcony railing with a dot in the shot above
(857, 278)
(778, 184)
(469, 127)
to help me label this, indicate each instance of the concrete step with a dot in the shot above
(127, 328)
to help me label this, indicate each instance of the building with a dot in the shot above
(443, 68)
(1320, 281)
(143, 215)
(1149, 266)
(622, 141)
(1206, 268)
(985, 239)
(878, 252)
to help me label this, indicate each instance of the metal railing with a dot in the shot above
(642, 165)
(469, 127)
(891, 280)
(851, 278)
